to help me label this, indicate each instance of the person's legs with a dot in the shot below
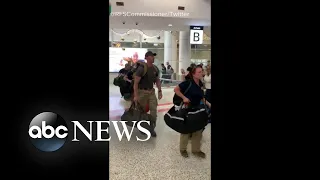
(143, 100)
(184, 138)
(153, 105)
(196, 144)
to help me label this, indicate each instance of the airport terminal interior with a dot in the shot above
(170, 37)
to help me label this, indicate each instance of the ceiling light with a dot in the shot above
(181, 8)
(170, 25)
(119, 3)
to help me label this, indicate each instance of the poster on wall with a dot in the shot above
(119, 57)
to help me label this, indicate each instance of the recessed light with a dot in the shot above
(170, 25)
(181, 8)
(119, 3)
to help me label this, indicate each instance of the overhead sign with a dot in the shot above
(196, 34)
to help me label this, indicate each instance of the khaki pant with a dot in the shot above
(195, 141)
(149, 97)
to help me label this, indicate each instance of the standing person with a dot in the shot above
(143, 88)
(207, 83)
(192, 98)
(183, 74)
(163, 69)
(167, 65)
(169, 73)
(163, 72)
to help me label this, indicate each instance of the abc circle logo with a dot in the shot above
(48, 131)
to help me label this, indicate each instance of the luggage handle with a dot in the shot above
(136, 106)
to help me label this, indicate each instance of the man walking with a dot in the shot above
(144, 92)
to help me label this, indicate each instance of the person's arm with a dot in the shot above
(158, 84)
(178, 92)
(136, 81)
(135, 85)
(181, 88)
(206, 102)
(126, 78)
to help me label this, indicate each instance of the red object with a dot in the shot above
(147, 108)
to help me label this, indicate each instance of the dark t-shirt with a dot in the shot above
(130, 74)
(194, 94)
(148, 79)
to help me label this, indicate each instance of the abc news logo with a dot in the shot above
(48, 131)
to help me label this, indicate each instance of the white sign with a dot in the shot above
(119, 57)
(196, 35)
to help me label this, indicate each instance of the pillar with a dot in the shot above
(170, 50)
(184, 50)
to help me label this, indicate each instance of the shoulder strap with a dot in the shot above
(145, 68)
(185, 92)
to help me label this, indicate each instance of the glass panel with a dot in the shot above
(152, 45)
(201, 46)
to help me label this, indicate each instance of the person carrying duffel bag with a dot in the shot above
(195, 114)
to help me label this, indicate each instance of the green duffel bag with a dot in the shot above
(119, 81)
(136, 113)
(127, 96)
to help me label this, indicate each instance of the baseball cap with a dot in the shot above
(149, 53)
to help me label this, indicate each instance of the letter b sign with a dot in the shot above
(196, 36)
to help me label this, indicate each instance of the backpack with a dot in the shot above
(145, 69)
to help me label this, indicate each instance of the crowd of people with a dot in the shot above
(140, 79)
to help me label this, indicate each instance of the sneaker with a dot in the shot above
(184, 153)
(199, 154)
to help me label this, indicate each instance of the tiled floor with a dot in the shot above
(158, 158)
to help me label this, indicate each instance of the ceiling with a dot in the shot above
(197, 13)
(156, 23)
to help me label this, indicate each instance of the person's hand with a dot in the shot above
(135, 99)
(159, 95)
(125, 78)
(186, 100)
(209, 105)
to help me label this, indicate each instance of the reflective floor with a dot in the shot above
(158, 158)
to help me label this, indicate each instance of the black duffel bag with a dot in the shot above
(187, 120)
